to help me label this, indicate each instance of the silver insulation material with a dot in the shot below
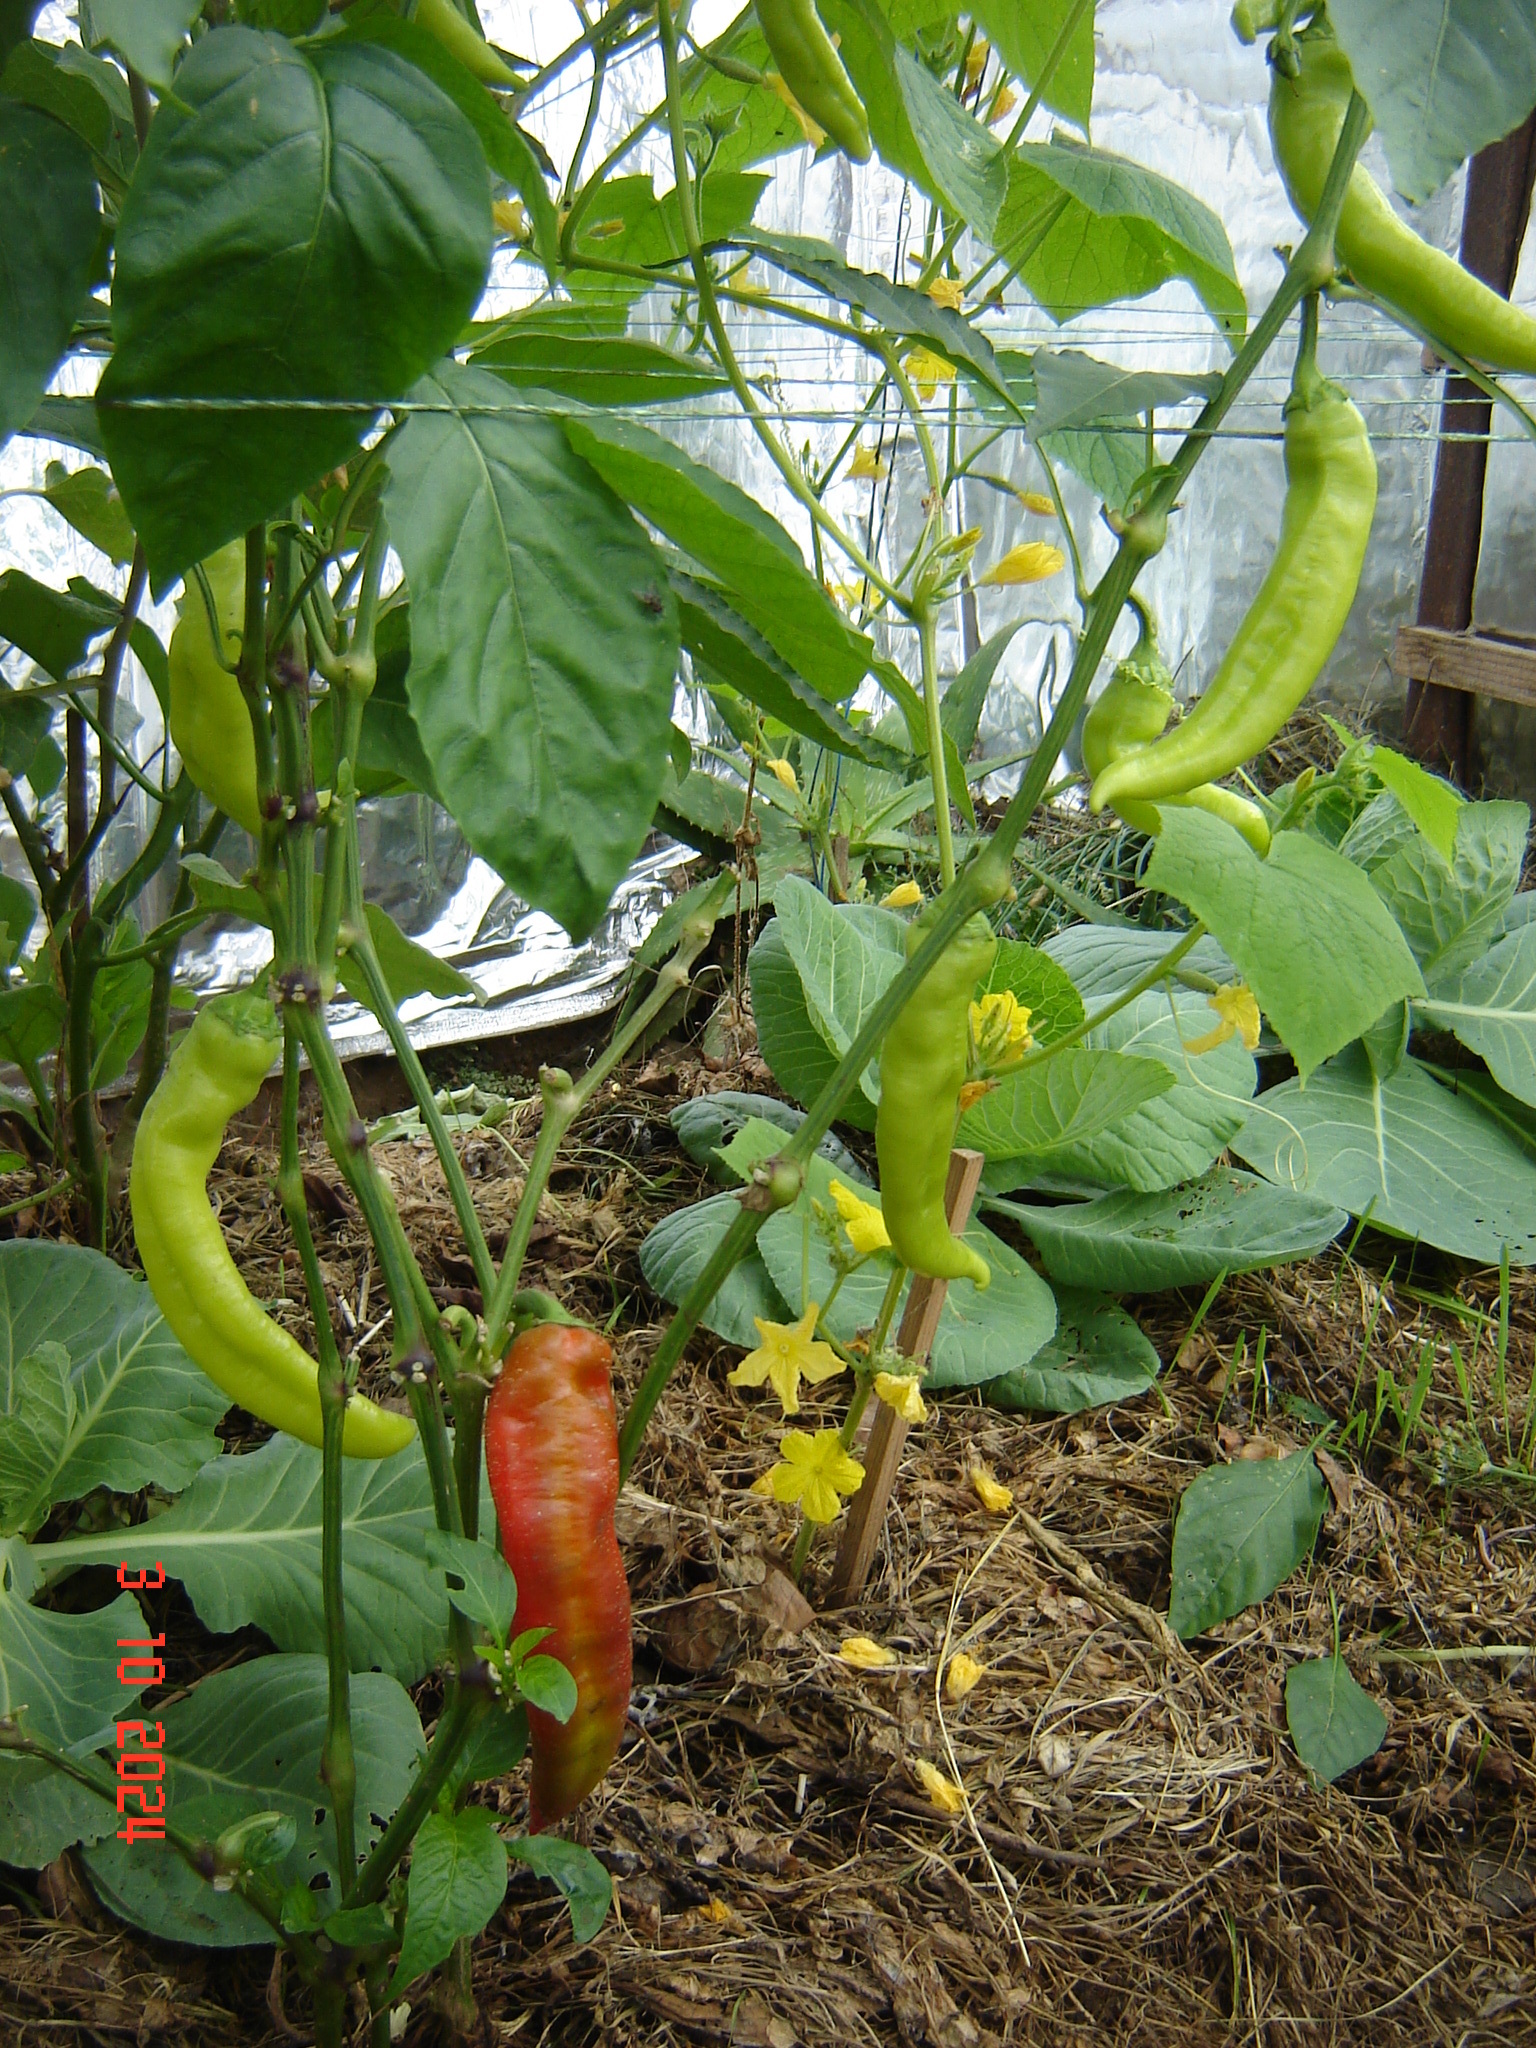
(1176, 92)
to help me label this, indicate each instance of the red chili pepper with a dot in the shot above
(552, 1456)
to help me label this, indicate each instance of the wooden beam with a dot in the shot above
(1439, 717)
(919, 1327)
(1469, 662)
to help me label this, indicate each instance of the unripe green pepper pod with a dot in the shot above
(1292, 626)
(210, 725)
(814, 73)
(444, 23)
(1381, 252)
(923, 1066)
(212, 1075)
(1130, 714)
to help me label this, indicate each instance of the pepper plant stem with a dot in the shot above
(562, 1104)
(928, 630)
(338, 1764)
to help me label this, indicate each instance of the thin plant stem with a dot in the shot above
(564, 1101)
(928, 630)
(338, 1763)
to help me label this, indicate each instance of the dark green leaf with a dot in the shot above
(1241, 1530)
(16, 19)
(408, 969)
(1073, 390)
(546, 1684)
(486, 1591)
(798, 1056)
(1442, 78)
(31, 1021)
(965, 699)
(1334, 1723)
(1427, 1161)
(735, 539)
(87, 500)
(153, 659)
(216, 297)
(149, 35)
(51, 212)
(62, 1668)
(71, 420)
(895, 307)
(736, 653)
(215, 888)
(966, 166)
(610, 370)
(507, 149)
(1304, 928)
(1040, 985)
(1068, 1100)
(574, 1871)
(86, 93)
(244, 1539)
(544, 643)
(495, 1749)
(627, 223)
(458, 1879)
(704, 811)
(679, 1249)
(706, 1122)
(1024, 36)
(18, 912)
(25, 720)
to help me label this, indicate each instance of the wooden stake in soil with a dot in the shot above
(919, 1325)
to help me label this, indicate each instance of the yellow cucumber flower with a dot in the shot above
(1239, 1014)
(862, 1221)
(865, 1654)
(1032, 561)
(944, 1792)
(900, 1391)
(928, 371)
(903, 897)
(787, 1354)
(815, 1471)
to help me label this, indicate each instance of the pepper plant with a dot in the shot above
(421, 551)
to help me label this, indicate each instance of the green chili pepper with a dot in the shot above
(1380, 251)
(1293, 624)
(444, 23)
(813, 71)
(210, 726)
(923, 1066)
(1129, 714)
(214, 1073)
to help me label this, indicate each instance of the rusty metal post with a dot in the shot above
(1499, 179)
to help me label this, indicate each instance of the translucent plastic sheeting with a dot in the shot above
(1174, 91)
